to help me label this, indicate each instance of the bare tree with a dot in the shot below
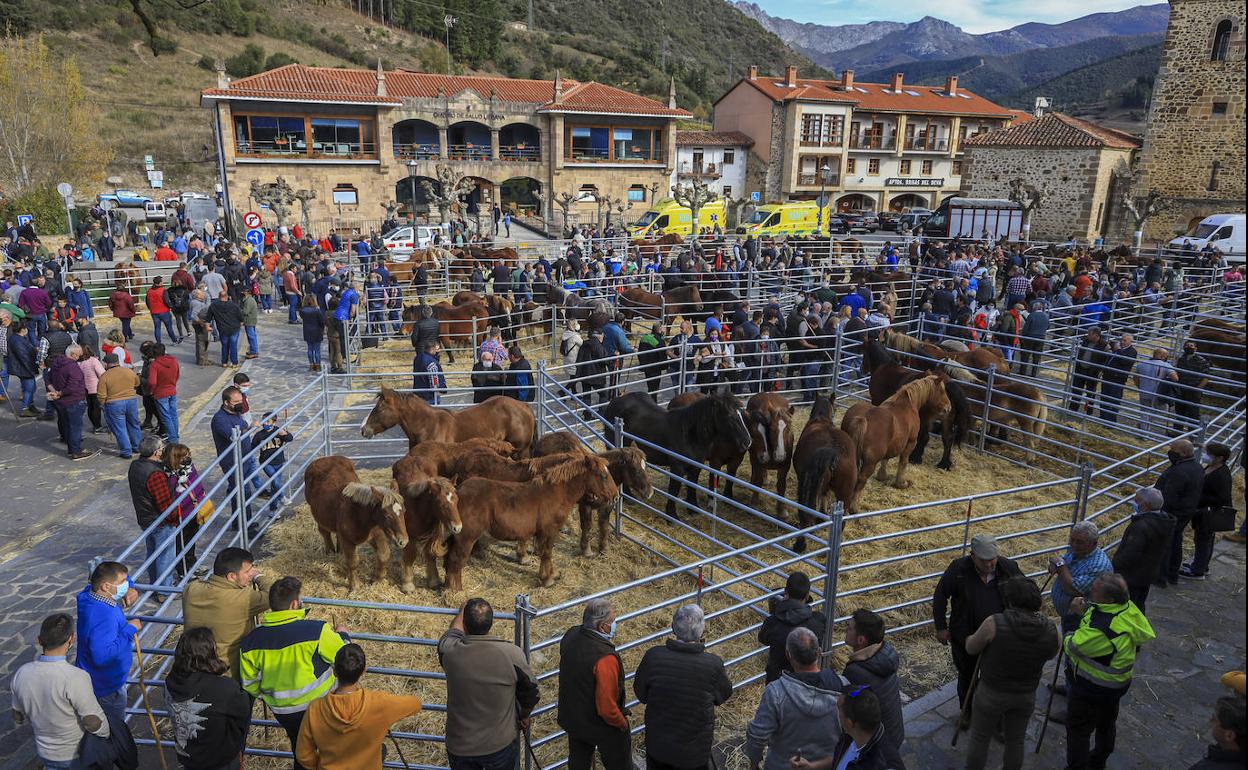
(278, 196)
(305, 198)
(1140, 209)
(564, 201)
(735, 210)
(694, 196)
(451, 187)
(1030, 198)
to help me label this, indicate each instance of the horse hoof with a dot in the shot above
(902, 485)
(408, 588)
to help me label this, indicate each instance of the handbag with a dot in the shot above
(206, 511)
(1220, 519)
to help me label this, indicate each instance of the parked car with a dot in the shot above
(400, 242)
(890, 220)
(154, 211)
(837, 224)
(871, 218)
(856, 222)
(126, 198)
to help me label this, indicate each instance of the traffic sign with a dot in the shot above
(108, 205)
(24, 219)
(756, 197)
(65, 189)
(255, 238)
(251, 220)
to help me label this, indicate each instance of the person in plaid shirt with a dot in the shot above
(1016, 288)
(152, 498)
(493, 344)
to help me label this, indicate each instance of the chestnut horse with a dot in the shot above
(435, 458)
(517, 511)
(1013, 402)
(498, 417)
(465, 324)
(770, 418)
(887, 377)
(978, 360)
(892, 428)
(355, 512)
(826, 461)
(431, 513)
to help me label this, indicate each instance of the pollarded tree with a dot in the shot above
(693, 196)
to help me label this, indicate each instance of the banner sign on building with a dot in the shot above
(914, 181)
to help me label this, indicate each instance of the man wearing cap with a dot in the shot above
(973, 584)
(789, 610)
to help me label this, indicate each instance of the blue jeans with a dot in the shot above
(266, 301)
(168, 407)
(71, 764)
(253, 344)
(229, 348)
(126, 331)
(166, 320)
(114, 704)
(4, 379)
(160, 541)
(38, 326)
(69, 422)
(503, 759)
(293, 306)
(314, 352)
(28, 392)
(123, 421)
(274, 485)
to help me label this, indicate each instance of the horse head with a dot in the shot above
(628, 468)
(440, 502)
(821, 409)
(770, 426)
(728, 421)
(385, 415)
(384, 504)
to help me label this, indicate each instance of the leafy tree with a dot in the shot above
(47, 121)
(246, 62)
(277, 59)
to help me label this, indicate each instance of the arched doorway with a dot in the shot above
(519, 141)
(520, 194)
(468, 140)
(416, 140)
(855, 201)
(411, 196)
(480, 199)
(908, 201)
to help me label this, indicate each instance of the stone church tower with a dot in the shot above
(1194, 138)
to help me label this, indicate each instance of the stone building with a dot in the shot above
(1078, 166)
(884, 145)
(363, 138)
(718, 158)
(1194, 141)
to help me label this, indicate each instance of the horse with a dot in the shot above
(1221, 340)
(636, 302)
(354, 512)
(518, 511)
(825, 460)
(682, 300)
(921, 353)
(558, 442)
(1013, 402)
(126, 276)
(690, 432)
(892, 428)
(770, 417)
(498, 417)
(725, 455)
(888, 378)
(436, 458)
(461, 323)
(575, 307)
(721, 297)
(431, 514)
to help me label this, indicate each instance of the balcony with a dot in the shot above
(702, 170)
(927, 144)
(811, 179)
(295, 148)
(810, 140)
(467, 152)
(520, 153)
(417, 151)
(871, 142)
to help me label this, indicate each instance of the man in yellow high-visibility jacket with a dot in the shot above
(1101, 653)
(288, 660)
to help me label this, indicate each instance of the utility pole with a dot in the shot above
(532, 23)
(449, 21)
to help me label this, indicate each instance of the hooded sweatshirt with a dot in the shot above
(345, 731)
(794, 715)
(211, 715)
(66, 377)
(876, 665)
(787, 615)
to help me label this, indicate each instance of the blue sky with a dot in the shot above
(972, 15)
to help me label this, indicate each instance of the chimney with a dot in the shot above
(847, 79)
(558, 88)
(895, 85)
(381, 79)
(790, 76)
(753, 72)
(951, 85)
(223, 80)
(671, 94)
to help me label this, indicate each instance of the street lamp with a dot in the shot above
(825, 175)
(411, 204)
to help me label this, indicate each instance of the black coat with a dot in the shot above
(211, 717)
(973, 600)
(1143, 548)
(786, 615)
(425, 330)
(880, 672)
(487, 382)
(1181, 485)
(682, 683)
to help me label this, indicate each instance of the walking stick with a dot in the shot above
(398, 749)
(151, 718)
(966, 702)
(1052, 687)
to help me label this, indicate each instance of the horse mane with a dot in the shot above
(566, 471)
(366, 494)
(822, 408)
(916, 392)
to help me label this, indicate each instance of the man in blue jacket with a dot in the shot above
(224, 422)
(616, 342)
(428, 380)
(105, 637)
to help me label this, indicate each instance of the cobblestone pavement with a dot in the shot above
(1164, 718)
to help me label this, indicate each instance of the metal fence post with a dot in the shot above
(914, 291)
(837, 368)
(542, 377)
(522, 641)
(983, 431)
(619, 500)
(326, 424)
(1068, 388)
(1085, 484)
(832, 566)
(684, 364)
(240, 489)
(446, 275)
(554, 334)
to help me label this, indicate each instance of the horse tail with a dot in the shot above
(1042, 416)
(959, 421)
(856, 426)
(819, 466)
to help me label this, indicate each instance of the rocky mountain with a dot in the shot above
(816, 39)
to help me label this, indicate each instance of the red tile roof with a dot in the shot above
(877, 96)
(1020, 117)
(712, 139)
(1057, 130)
(297, 82)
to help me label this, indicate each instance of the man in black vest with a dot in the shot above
(591, 692)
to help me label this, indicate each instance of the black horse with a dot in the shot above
(691, 432)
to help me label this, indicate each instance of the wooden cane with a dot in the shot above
(1048, 710)
(966, 702)
(151, 718)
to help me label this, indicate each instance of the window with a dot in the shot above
(1221, 40)
(637, 193)
(927, 168)
(730, 157)
(727, 191)
(340, 136)
(873, 167)
(1219, 108)
(346, 195)
(288, 135)
(606, 143)
(812, 127)
(851, 166)
(590, 143)
(905, 167)
(821, 129)
(957, 168)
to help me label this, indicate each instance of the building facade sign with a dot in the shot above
(915, 181)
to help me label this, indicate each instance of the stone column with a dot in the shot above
(493, 143)
(443, 142)
(900, 136)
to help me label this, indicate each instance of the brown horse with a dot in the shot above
(1222, 341)
(888, 377)
(922, 354)
(826, 461)
(558, 442)
(436, 458)
(464, 324)
(431, 513)
(1013, 402)
(770, 418)
(127, 277)
(355, 512)
(499, 417)
(636, 302)
(518, 511)
(892, 428)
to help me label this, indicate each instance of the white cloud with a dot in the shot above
(975, 16)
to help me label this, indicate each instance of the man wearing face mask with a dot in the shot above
(591, 692)
(228, 418)
(243, 382)
(1180, 486)
(105, 637)
(1140, 555)
(1193, 371)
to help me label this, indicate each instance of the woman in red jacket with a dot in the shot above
(121, 304)
(161, 314)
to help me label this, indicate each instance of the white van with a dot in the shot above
(154, 211)
(400, 242)
(1224, 232)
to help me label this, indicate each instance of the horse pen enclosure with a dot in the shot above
(728, 554)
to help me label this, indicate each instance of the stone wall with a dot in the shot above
(1075, 181)
(1185, 137)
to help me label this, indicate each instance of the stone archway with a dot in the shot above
(908, 201)
(855, 201)
(519, 193)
